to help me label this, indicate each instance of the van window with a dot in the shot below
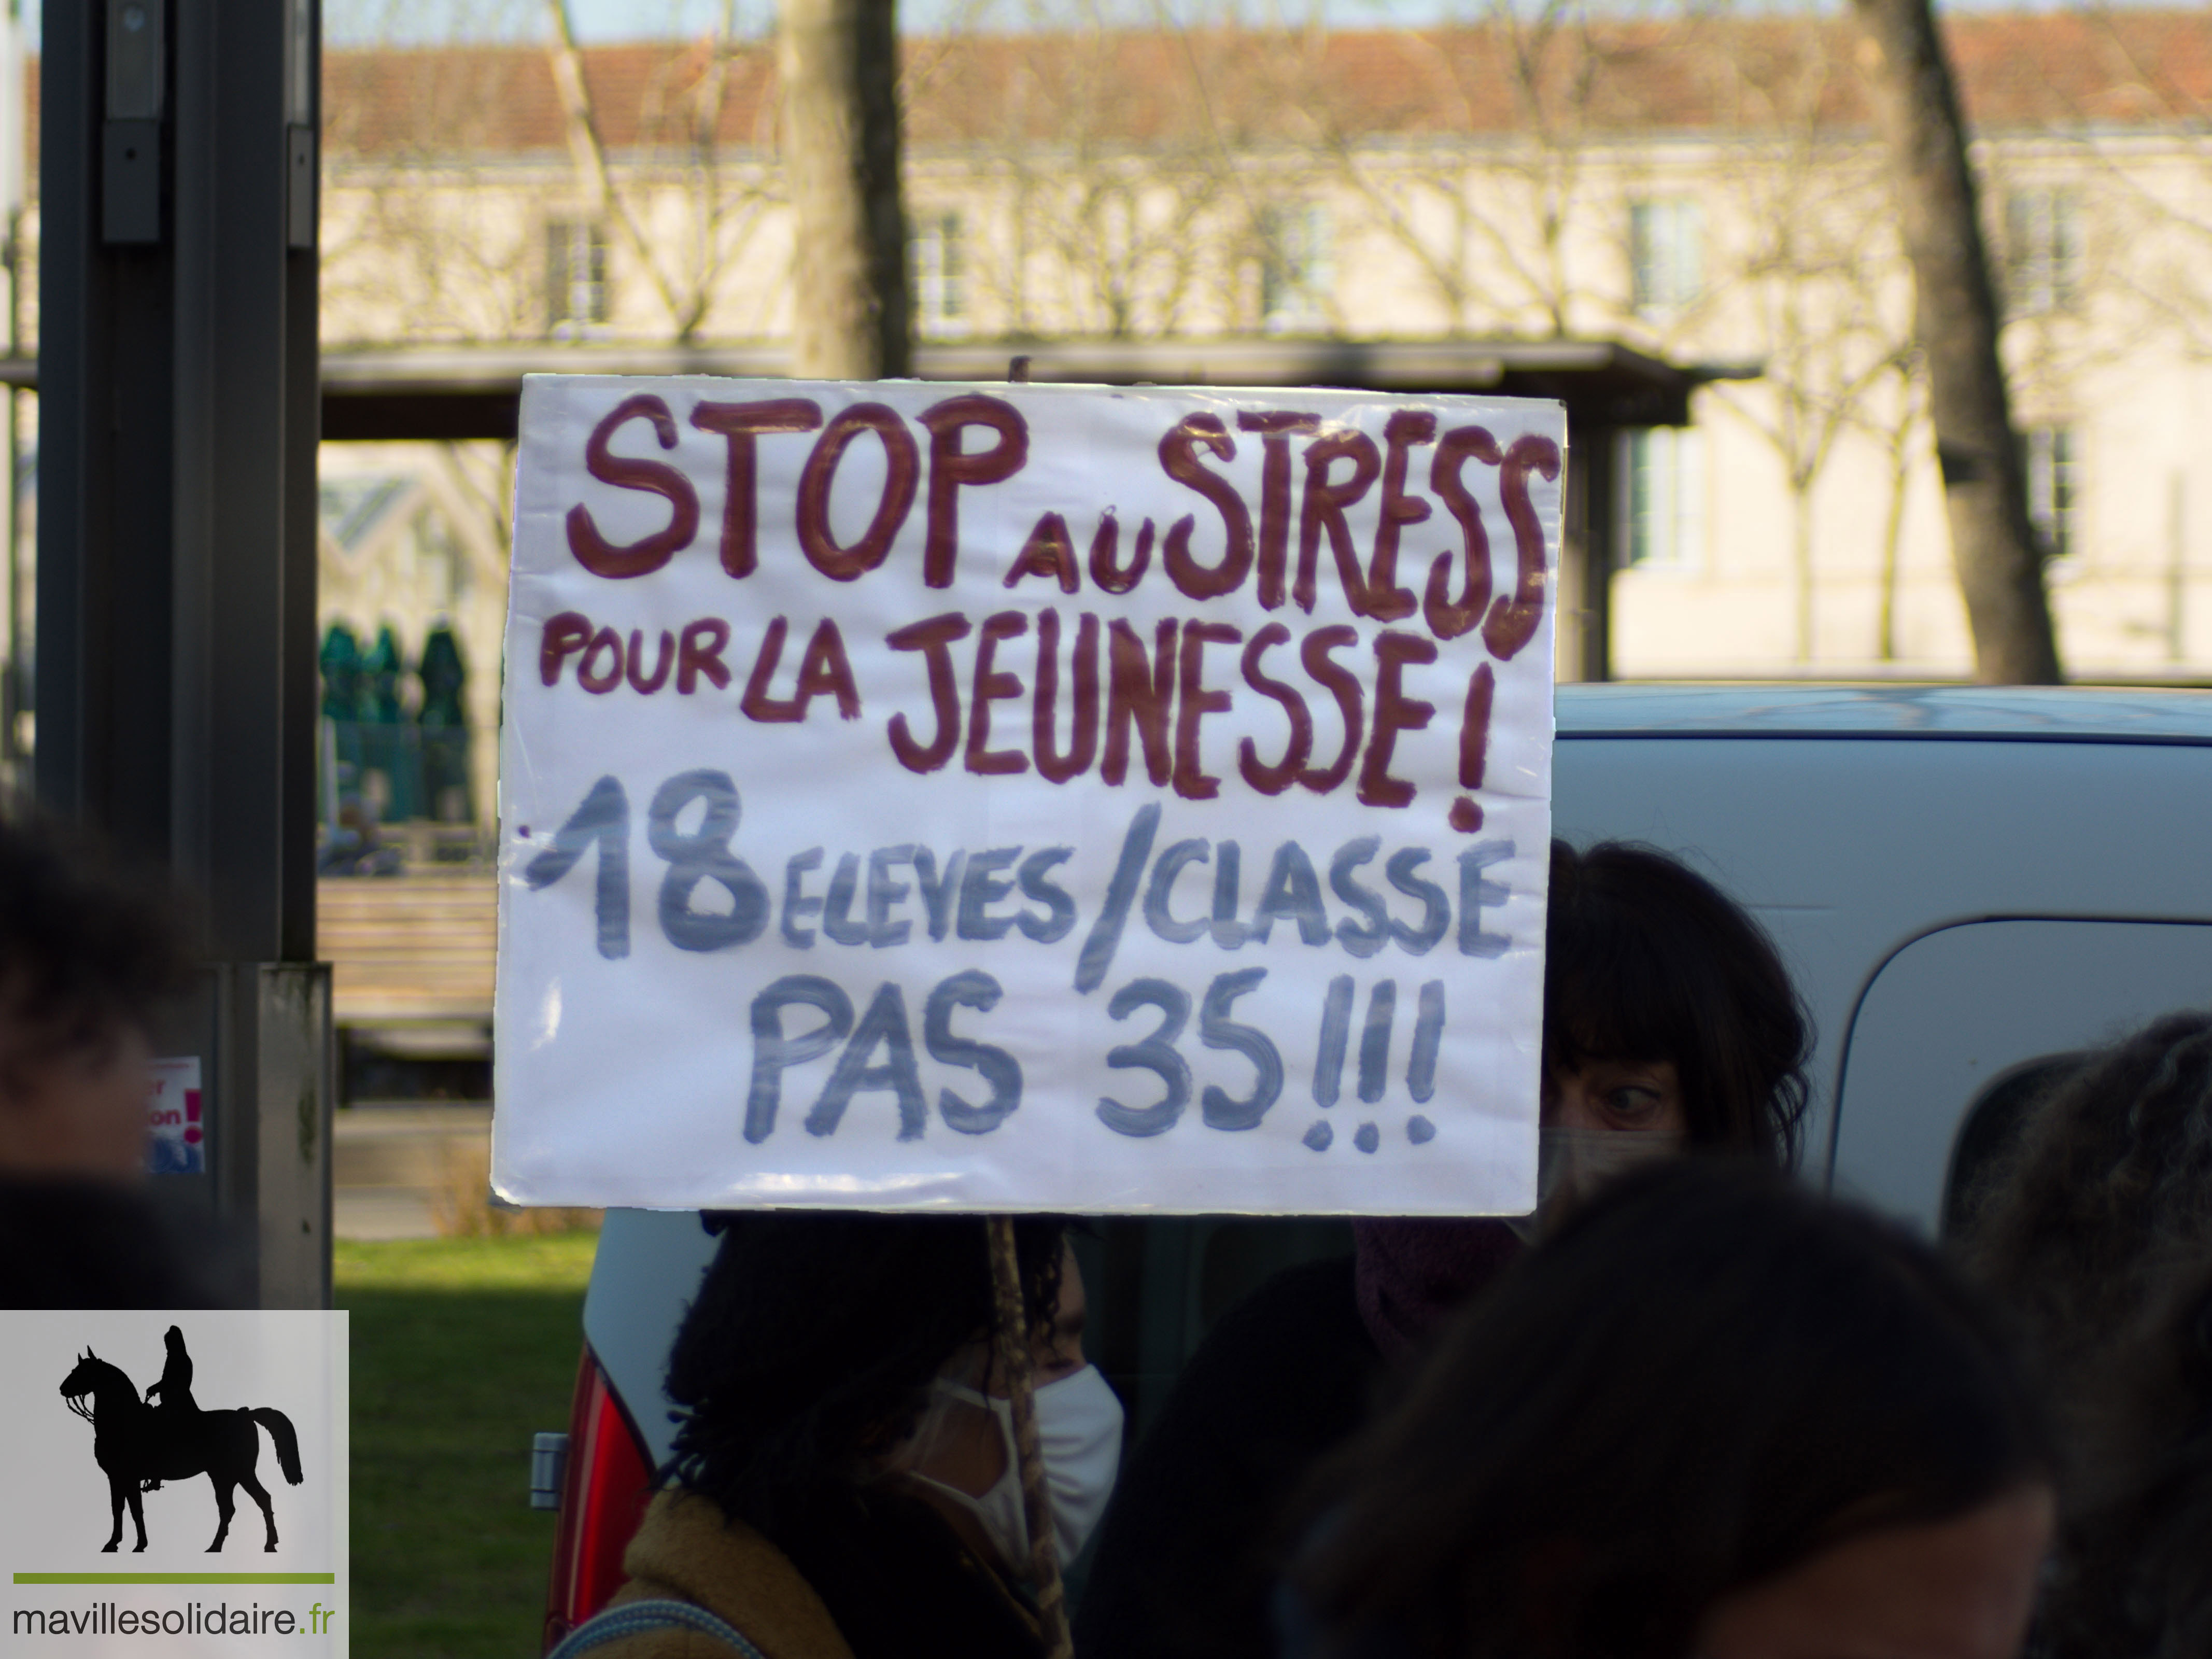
(1957, 1011)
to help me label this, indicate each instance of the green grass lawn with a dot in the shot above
(462, 1349)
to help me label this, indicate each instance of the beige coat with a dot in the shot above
(687, 1551)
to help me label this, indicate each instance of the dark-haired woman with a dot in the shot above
(2095, 1229)
(1713, 1414)
(1670, 1022)
(846, 1486)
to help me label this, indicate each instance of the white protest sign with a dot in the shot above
(1024, 798)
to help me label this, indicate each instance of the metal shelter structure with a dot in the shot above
(179, 414)
(466, 391)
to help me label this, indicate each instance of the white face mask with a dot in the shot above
(1571, 1163)
(1079, 1433)
(1079, 1436)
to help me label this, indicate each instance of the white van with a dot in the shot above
(1969, 885)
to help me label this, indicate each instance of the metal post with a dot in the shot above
(176, 536)
(12, 686)
(1584, 640)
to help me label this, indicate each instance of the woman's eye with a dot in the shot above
(1632, 1105)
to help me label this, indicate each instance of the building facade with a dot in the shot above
(1707, 190)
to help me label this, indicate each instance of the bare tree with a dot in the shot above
(1490, 201)
(589, 150)
(684, 271)
(407, 250)
(839, 63)
(431, 231)
(1111, 171)
(1993, 544)
(1802, 270)
(1818, 374)
(1900, 436)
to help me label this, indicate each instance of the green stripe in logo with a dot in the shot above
(176, 1578)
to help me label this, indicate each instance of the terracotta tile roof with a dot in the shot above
(2119, 68)
(500, 99)
(1242, 89)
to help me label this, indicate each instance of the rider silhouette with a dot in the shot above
(175, 1387)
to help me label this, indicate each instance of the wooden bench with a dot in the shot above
(409, 949)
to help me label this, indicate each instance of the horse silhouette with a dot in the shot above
(138, 1445)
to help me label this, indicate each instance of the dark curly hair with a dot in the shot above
(2096, 1226)
(1706, 1376)
(86, 949)
(1646, 960)
(811, 1345)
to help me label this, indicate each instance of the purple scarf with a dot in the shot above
(1413, 1274)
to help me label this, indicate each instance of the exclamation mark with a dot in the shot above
(192, 1117)
(1473, 748)
(1335, 1035)
(1421, 1070)
(1375, 1041)
(1329, 1059)
(1428, 1037)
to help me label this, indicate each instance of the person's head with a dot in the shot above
(85, 958)
(1667, 1007)
(1690, 1418)
(809, 1359)
(2095, 1227)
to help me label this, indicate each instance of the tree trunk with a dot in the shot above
(1892, 522)
(838, 60)
(1801, 559)
(1893, 539)
(1984, 482)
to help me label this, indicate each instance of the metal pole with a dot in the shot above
(179, 420)
(11, 202)
(13, 702)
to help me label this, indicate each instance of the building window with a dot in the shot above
(575, 276)
(2053, 488)
(1666, 255)
(938, 262)
(1662, 498)
(2043, 251)
(1297, 273)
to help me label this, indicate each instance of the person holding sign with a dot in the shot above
(847, 1484)
(1714, 1414)
(1669, 1023)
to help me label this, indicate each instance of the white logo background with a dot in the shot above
(54, 1501)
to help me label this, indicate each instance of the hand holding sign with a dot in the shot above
(1020, 770)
